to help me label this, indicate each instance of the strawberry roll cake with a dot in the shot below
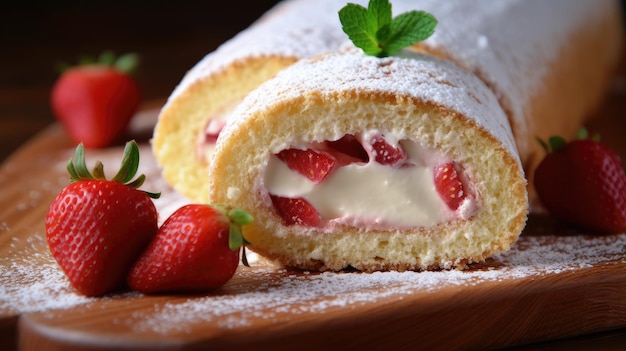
(549, 64)
(346, 160)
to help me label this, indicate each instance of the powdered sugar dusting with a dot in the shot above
(31, 281)
(422, 77)
(508, 42)
(296, 293)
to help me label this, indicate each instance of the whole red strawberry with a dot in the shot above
(583, 183)
(196, 250)
(96, 228)
(96, 101)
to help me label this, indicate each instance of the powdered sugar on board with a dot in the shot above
(281, 292)
(31, 281)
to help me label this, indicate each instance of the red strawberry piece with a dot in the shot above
(312, 164)
(583, 183)
(349, 145)
(385, 153)
(96, 228)
(196, 250)
(449, 185)
(213, 130)
(296, 211)
(95, 102)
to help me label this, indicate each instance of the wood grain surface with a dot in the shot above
(554, 283)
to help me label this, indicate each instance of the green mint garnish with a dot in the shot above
(378, 34)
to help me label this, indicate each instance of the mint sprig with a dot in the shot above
(378, 34)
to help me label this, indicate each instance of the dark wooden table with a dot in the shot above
(170, 37)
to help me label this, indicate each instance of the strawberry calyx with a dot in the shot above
(237, 218)
(126, 63)
(556, 142)
(553, 144)
(78, 171)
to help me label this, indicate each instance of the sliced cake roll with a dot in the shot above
(347, 160)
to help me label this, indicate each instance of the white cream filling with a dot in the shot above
(371, 193)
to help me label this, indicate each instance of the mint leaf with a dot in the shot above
(356, 22)
(410, 28)
(378, 34)
(379, 14)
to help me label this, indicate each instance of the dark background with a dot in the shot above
(170, 36)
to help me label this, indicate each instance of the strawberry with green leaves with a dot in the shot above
(96, 100)
(96, 227)
(196, 250)
(582, 182)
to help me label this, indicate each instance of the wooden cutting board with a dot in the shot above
(553, 283)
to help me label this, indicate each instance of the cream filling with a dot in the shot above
(371, 193)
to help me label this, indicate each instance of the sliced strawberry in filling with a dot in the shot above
(213, 130)
(296, 211)
(310, 163)
(449, 184)
(349, 145)
(377, 167)
(385, 153)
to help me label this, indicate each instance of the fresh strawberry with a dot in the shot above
(96, 228)
(96, 101)
(449, 185)
(312, 164)
(196, 250)
(349, 145)
(582, 182)
(385, 153)
(296, 211)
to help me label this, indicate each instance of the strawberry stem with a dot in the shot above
(583, 133)
(78, 171)
(543, 144)
(240, 216)
(130, 163)
(556, 143)
(98, 171)
(107, 58)
(126, 63)
(244, 258)
(236, 239)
